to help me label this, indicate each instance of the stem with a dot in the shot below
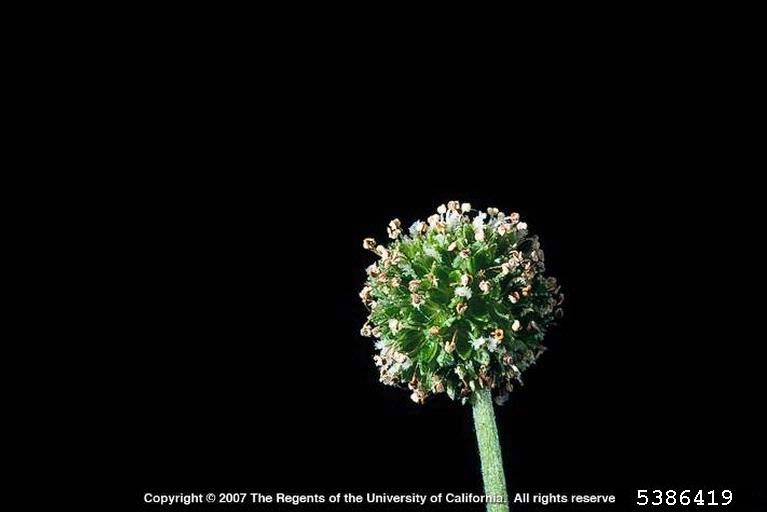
(489, 450)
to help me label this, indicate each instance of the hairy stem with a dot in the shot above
(489, 450)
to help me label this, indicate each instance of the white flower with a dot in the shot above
(513, 217)
(461, 308)
(514, 297)
(465, 280)
(430, 251)
(373, 270)
(369, 244)
(366, 294)
(441, 209)
(382, 251)
(492, 344)
(451, 247)
(484, 286)
(476, 343)
(413, 285)
(394, 228)
(432, 220)
(415, 228)
(492, 212)
(479, 221)
(379, 344)
(463, 291)
(522, 226)
(394, 325)
(466, 207)
(479, 226)
(396, 281)
(416, 300)
(453, 219)
(453, 205)
(515, 326)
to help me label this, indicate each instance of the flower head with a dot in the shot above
(424, 305)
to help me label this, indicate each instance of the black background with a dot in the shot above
(633, 155)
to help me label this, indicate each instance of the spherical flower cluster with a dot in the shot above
(458, 303)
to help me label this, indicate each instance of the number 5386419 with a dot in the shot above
(656, 497)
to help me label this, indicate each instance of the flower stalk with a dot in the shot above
(489, 450)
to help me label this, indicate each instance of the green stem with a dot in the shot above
(489, 450)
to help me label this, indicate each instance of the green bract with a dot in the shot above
(458, 303)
